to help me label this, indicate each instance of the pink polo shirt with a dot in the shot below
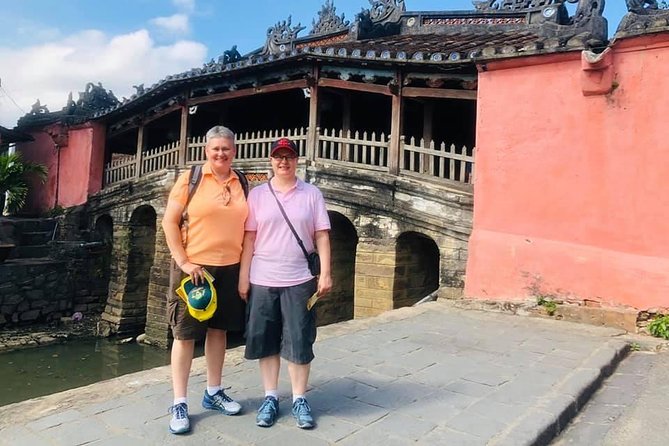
(278, 260)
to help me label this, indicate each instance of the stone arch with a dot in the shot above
(101, 256)
(416, 268)
(338, 305)
(141, 249)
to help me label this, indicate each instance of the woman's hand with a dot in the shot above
(243, 288)
(324, 284)
(196, 272)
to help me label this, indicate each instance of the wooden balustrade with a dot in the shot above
(357, 149)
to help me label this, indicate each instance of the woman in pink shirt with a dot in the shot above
(275, 280)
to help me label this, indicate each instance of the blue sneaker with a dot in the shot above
(269, 410)
(302, 414)
(221, 402)
(179, 424)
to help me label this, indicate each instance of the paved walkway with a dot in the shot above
(429, 375)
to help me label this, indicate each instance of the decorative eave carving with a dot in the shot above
(281, 37)
(642, 7)
(328, 20)
(514, 5)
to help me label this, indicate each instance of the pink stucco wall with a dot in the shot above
(78, 173)
(571, 190)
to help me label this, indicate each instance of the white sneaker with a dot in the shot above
(179, 424)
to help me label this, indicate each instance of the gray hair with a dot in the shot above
(219, 131)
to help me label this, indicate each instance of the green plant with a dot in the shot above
(548, 304)
(14, 173)
(635, 346)
(659, 327)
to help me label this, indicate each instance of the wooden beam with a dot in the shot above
(441, 93)
(161, 113)
(183, 136)
(281, 86)
(356, 86)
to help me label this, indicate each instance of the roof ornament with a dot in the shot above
(328, 20)
(95, 97)
(586, 10)
(38, 109)
(230, 56)
(381, 19)
(281, 37)
(641, 6)
(386, 10)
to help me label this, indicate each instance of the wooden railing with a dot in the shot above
(442, 161)
(354, 149)
(120, 169)
(160, 158)
(250, 145)
(360, 149)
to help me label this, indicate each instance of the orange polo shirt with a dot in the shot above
(216, 225)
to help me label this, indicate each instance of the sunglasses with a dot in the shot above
(284, 157)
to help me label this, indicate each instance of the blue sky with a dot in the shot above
(48, 49)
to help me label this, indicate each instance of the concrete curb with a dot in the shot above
(542, 423)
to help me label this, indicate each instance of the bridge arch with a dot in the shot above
(417, 260)
(338, 305)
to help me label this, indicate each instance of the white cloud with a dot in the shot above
(50, 71)
(184, 5)
(175, 24)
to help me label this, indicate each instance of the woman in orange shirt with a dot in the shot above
(216, 215)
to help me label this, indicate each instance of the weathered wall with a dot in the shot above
(570, 189)
(77, 174)
(34, 292)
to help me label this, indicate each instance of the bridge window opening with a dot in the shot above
(271, 111)
(359, 111)
(121, 145)
(142, 240)
(416, 269)
(163, 131)
(337, 306)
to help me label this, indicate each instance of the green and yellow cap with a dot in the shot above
(200, 299)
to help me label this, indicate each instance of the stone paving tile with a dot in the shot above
(447, 436)
(331, 428)
(54, 420)
(470, 388)
(397, 424)
(396, 394)
(293, 438)
(347, 387)
(474, 424)
(77, 432)
(21, 436)
(358, 412)
(373, 436)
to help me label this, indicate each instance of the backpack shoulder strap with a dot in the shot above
(193, 181)
(243, 180)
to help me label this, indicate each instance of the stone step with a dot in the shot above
(35, 238)
(29, 252)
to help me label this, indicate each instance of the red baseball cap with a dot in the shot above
(283, 143)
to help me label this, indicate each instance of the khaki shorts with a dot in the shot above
(230, 308)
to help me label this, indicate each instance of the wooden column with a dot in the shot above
(428, 119)
(140, 148)
(314, 118)
(346, 123)
(394, 151)
(183, 136)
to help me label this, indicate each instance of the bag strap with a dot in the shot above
(290, 225)
(194, 178)
(244, 181)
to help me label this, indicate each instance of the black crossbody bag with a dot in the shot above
(313, 259)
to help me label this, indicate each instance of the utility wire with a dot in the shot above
(2, 89)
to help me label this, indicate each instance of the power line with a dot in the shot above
(2, 89)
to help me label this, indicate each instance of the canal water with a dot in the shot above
(40, 371)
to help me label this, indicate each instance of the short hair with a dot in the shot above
(219, 131)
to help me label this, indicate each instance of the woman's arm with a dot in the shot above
(245, 264)
(322, 239)
(172, 231)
